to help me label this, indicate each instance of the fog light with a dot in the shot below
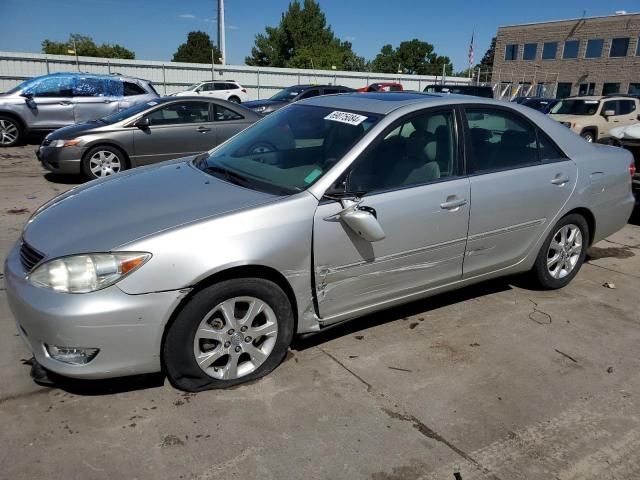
(72, 355)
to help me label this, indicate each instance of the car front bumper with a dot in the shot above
(64, 160)
(127, 329)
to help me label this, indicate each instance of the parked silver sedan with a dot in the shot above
(151, 132)
(324, 211)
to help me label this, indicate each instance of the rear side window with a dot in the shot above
(502, 140)
(223, 114)
(89, 87)
(625, 107)
(330, 91)
(131, 89)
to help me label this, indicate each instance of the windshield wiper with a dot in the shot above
(229, 175)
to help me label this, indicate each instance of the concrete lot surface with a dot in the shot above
(491, 382)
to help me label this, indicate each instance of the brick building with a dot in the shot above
(582, 56)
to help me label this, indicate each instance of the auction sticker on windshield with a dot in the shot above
(346, 117)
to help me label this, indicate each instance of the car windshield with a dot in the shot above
(287, 94)
(192, 87)
(126, 113)
(289, 150)
(576, 107)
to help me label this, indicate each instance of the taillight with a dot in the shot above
(632, 169)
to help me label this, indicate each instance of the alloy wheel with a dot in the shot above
(235, 338)
(104, 163)
(564, 251)
(8, 132)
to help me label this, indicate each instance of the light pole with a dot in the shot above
(221, 33)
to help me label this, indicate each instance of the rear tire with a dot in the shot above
(234, 99)
(11, 132)
(562, 253)
(229, 333)
(103, 161)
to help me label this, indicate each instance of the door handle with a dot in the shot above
(560, 180)
(203, 129)
(65, 102)
(107, 101)
(453, 203)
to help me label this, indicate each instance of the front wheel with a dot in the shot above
(562, 253)
(229, 333)
(588, 136)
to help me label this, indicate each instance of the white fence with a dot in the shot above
(170, 77)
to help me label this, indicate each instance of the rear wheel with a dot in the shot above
(10, 132)
(562, 253)
(230, 333)
(103, 161)
(234, 99)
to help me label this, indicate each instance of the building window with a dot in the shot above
(549, 50)
(610, 88)
(571, 49)
(634, 89)
(594, 48)
(530, 51)
(511, 52)
(619, 47)
(564, 90)
(587, 89)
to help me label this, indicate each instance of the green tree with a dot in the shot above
(303, 40)
(197, 49)
(85, 46)
(411, 57)
(486, 64)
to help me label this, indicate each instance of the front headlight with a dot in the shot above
(64, 143)
(88, 272)
(259, 109)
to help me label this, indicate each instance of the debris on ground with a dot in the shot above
(566, 355)
(359, 337)
(474, 344)
(610, 370)
(17, 211)
(413, 325)
(400, 369)
(609, 285)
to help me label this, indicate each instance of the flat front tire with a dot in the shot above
(229, 333)
(563, 252)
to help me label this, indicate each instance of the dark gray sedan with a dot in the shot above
(147, 133)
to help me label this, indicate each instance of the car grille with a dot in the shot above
(29, 257)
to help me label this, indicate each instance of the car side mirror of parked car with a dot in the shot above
(28, 98)
(361, 219)
(143, 123)
(609, 113)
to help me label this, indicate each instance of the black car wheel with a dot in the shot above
(229, 333)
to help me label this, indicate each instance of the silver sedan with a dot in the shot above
(324, 211)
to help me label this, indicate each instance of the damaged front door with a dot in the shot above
(421, 205)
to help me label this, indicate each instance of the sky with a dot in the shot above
(153, 29)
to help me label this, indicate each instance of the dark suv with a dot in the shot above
(293, 94)
(46, 103)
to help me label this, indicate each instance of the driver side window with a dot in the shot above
(53, 86)
(418, 150)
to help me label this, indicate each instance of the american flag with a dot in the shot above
(471, 59)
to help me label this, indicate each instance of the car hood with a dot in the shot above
(105, 214)
(569, 118)
(72, 131)
(264, 103)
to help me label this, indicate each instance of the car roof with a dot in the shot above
(93, 75)
(387, 102)
(585, 97)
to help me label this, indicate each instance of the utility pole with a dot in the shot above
(221, 33)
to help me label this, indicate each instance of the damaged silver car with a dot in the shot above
(324, 211)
